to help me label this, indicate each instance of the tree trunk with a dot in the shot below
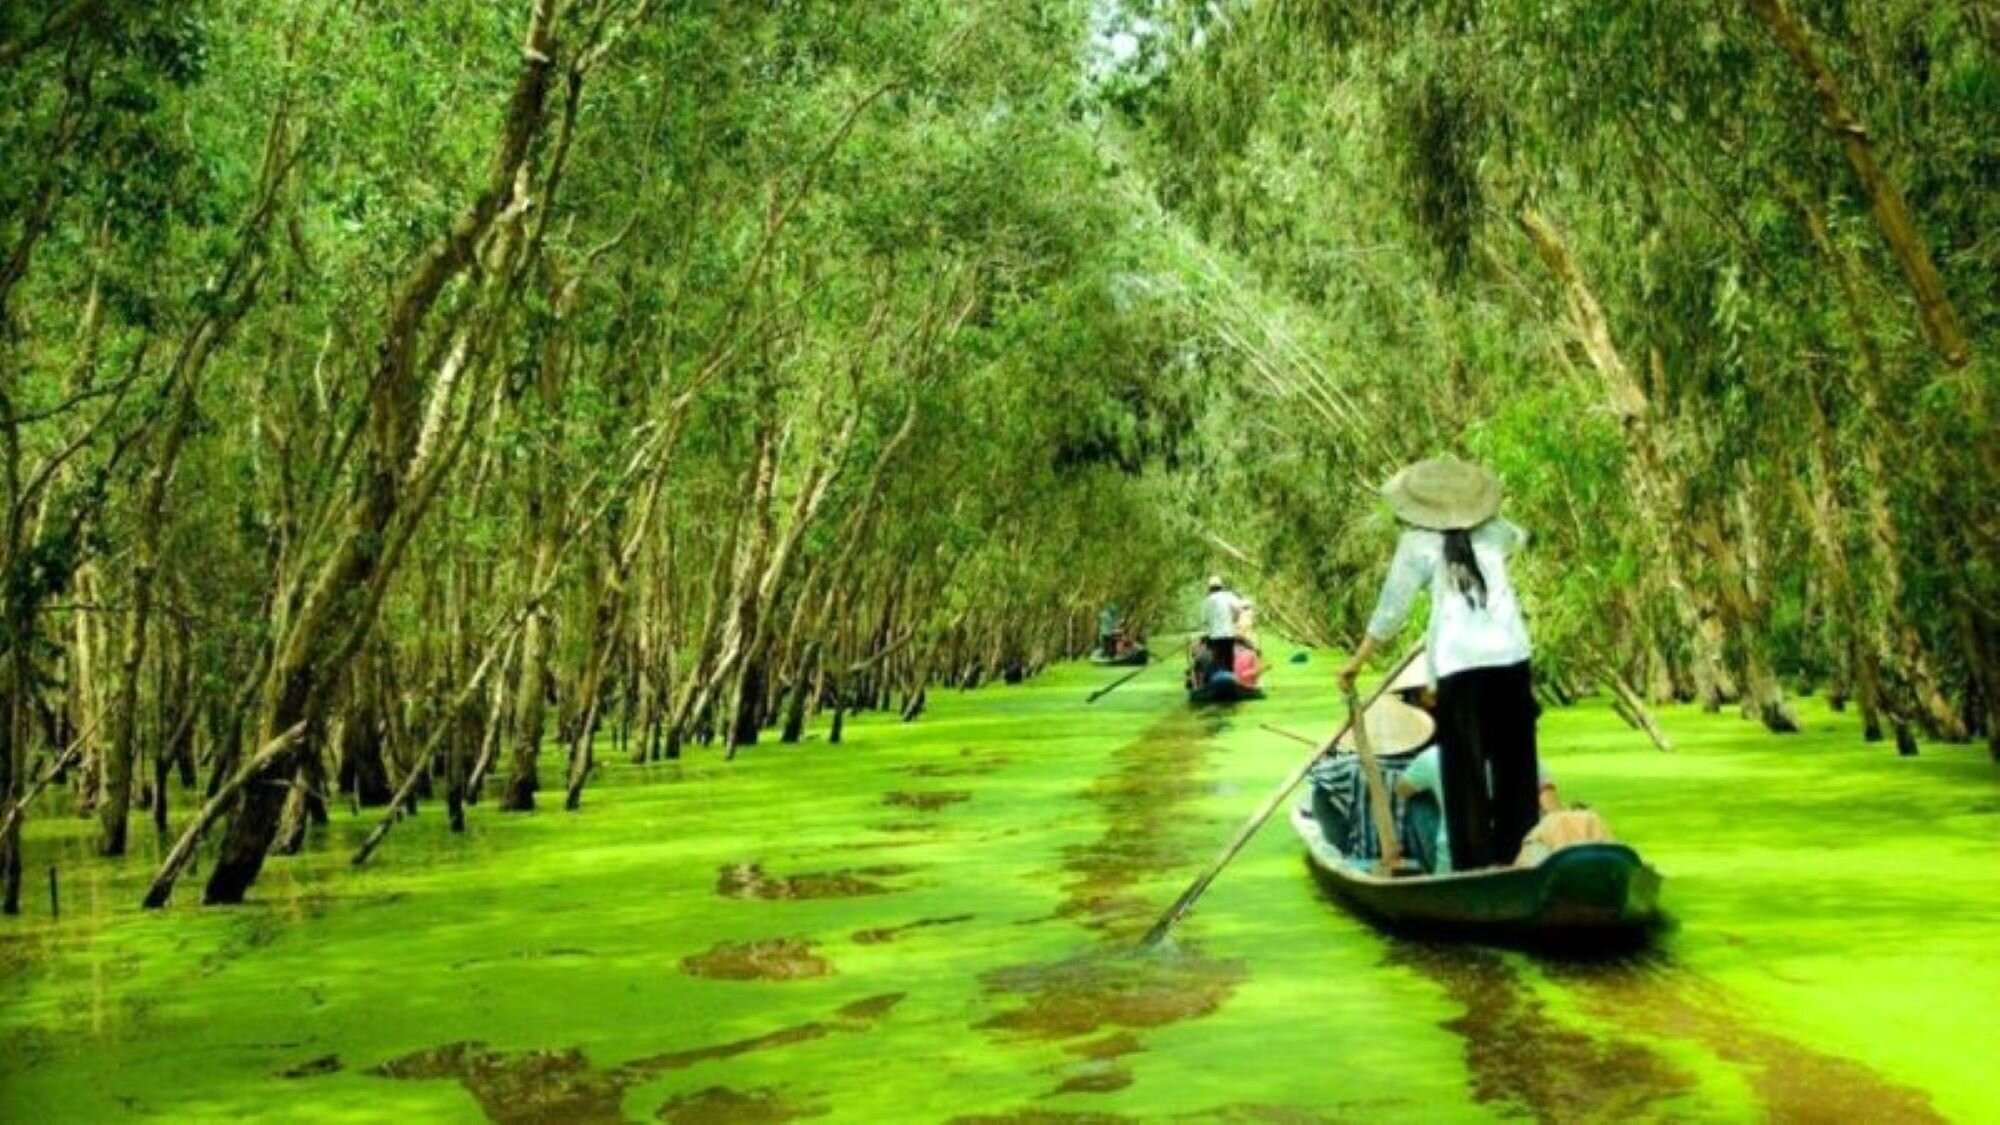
(1885, 201)
(339, 610)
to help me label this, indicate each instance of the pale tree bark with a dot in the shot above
(230, 300)
(1852, 635)
(1763, 696)
(537, 641)
(1895, 648)
(1885, 201)
(337, 612)
(1658, 491)
(745, 705)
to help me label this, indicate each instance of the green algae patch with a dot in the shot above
(312, 1068)
(1041, 1117)
(1101, 1079)
(857, 1016)
(1835, 908)
(969, 763)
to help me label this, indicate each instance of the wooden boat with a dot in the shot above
(1223, 687)
(1599, 894)
(1130, 658)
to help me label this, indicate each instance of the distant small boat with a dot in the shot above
(1585, 892)
(1224, 687)
(1131, 657)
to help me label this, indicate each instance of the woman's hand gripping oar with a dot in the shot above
(1200, 885)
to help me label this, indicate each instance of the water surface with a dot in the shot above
(935, 921)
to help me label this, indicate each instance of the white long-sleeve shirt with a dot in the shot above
(1218, 615)
(1460, 635)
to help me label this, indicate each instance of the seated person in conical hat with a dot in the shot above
(1339, 796)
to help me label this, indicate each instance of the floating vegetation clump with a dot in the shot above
(748, 880)
(926, 802)
(764, 959)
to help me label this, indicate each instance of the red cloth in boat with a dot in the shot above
(1248, 667)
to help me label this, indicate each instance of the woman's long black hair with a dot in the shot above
(1463, 567)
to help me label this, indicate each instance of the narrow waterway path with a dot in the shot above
(936, 921)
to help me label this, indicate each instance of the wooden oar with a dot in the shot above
(1200, 885)
(1295, 736)
(1100, 693)
(1390, 853)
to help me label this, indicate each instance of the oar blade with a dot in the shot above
(1229, 851)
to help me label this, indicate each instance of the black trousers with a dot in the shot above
(1222, 651)
(1486, 748)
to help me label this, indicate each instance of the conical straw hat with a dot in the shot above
(1394, 727)
(1414, 676)
(1443, 494)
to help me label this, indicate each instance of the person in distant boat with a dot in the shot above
(1200, 663)
(1249, 660)
(1455, 545)
(1249, 664)
(1110, 631)
(1220, 612)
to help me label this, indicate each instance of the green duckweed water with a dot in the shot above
(934, 922)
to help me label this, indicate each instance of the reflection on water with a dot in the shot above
(1795, 1082)
(1117, 987)
(531, 1087)
(1518, 1054)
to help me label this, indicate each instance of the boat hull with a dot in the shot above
(1128, 659)
(1223, 688)
(1586, 892)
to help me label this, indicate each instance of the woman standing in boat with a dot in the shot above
(1455, 545)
